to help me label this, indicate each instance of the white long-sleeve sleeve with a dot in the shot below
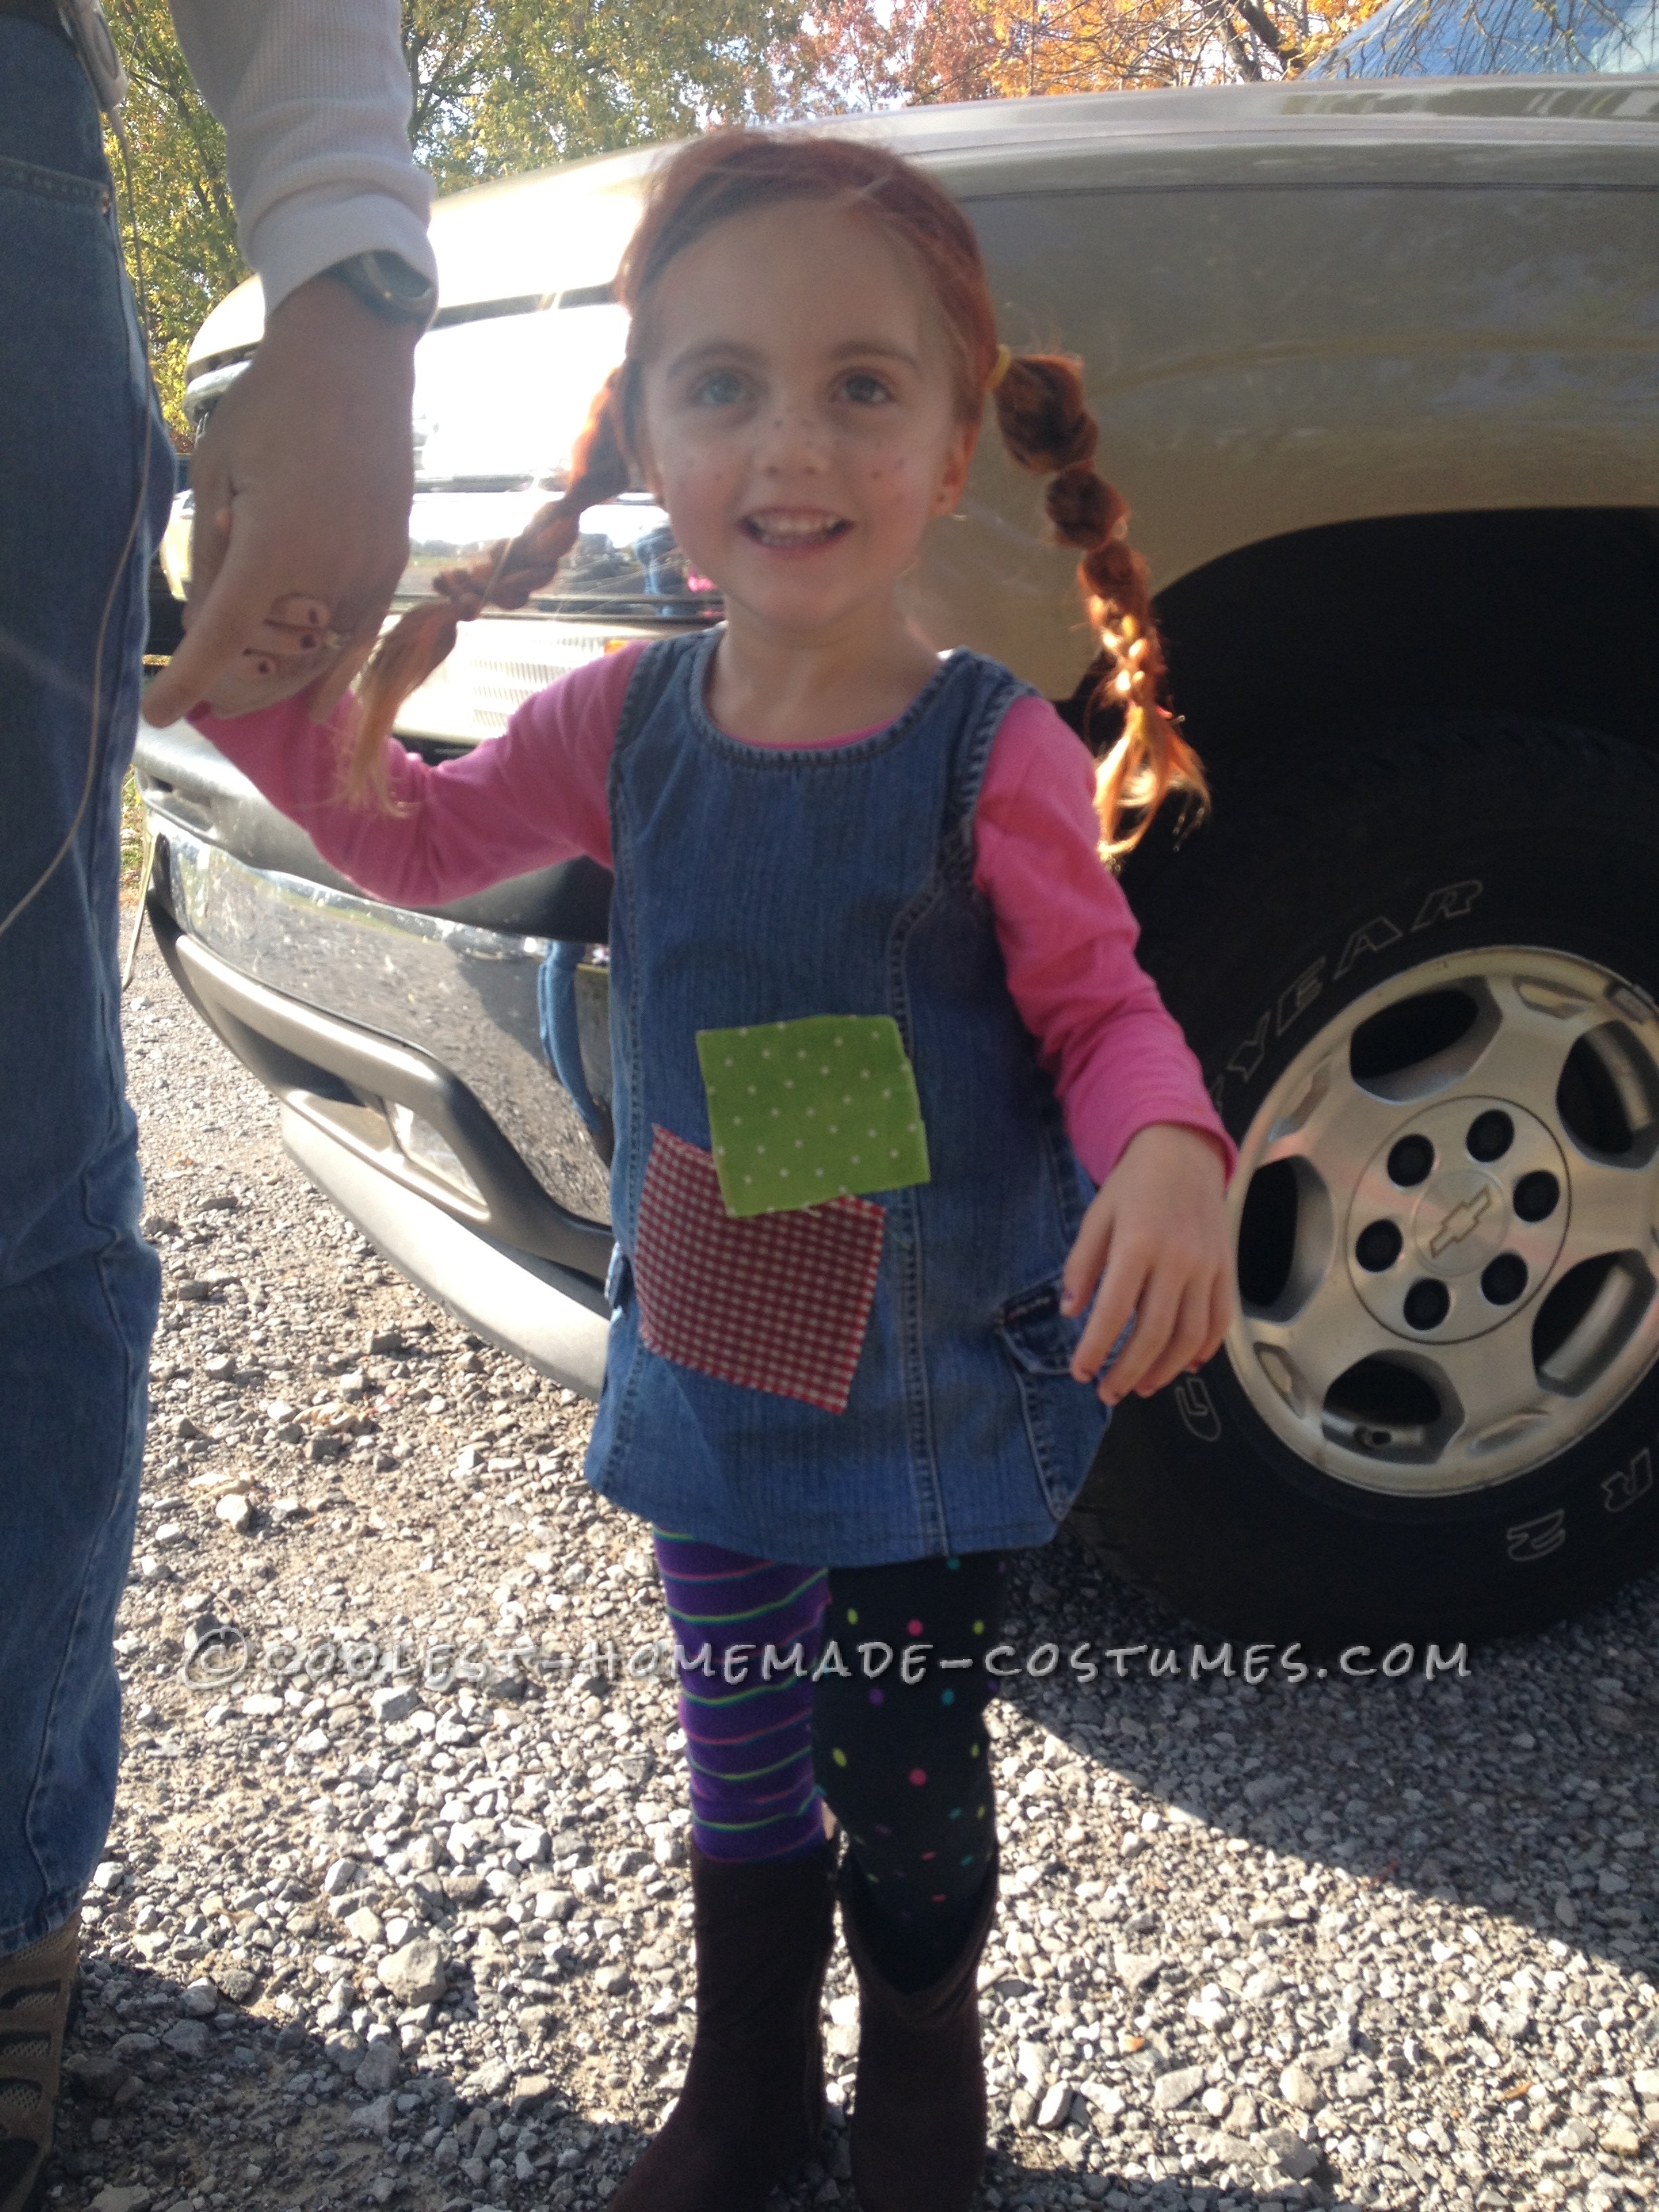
(314, 98)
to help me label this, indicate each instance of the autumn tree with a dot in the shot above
(180, 202)
(941, 50)
(498, 89)
(527, 83)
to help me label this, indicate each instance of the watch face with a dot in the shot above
(385, 281)
(398, 278)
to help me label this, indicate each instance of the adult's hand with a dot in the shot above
(302, 482)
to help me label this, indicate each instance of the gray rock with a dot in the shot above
(492, 2078)
(236, 1511)
(94, 2076)
(191, 2039)
(381, 2065)
(393, 1701)
(530, 2093)
(1056, 2105)
(415, 1974)
(1031, 2062)
(1621, 2138)
(344, 1877)
(1288, 2152)
(1136, 1969)
(1224, 2149)
(1178, 2087)
(374, 2118)
(201, 1999)
(1299, 2087)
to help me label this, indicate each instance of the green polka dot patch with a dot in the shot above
(803, 1111)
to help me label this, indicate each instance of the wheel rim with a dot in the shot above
(1447, 1222)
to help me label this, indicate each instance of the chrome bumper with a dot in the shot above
(461, 997)
(554, 1320)
(421, 1161)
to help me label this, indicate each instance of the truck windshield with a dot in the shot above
(499, 399)
(1500, 38)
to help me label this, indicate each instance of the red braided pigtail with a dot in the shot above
(1047, 428)
(506, 577)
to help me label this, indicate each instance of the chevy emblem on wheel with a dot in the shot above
(1462, 1221)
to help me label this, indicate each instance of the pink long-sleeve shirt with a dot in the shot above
(537, 795)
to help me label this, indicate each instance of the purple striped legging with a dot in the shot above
(904, 1766)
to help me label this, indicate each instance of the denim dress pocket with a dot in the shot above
(775, 1302)
(1063, 1419)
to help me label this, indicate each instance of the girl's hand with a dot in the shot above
(1158, 1229)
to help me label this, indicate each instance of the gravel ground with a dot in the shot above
(392, 1916)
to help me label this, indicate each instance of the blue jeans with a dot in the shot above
(78, 1285)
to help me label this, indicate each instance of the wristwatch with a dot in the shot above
(388, 286)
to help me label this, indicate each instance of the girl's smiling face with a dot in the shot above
(799, 419)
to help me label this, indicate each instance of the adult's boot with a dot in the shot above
(36, 1985)
(919, 2112)
(752, 2105)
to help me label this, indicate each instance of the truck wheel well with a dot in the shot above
(1550, 614)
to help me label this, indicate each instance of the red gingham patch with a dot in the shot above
(779, 1301)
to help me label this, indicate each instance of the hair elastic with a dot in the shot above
(1000, 367)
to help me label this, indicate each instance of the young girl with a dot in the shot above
(873, 999)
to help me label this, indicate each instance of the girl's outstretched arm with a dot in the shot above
(524, 800)
(1155, 1240)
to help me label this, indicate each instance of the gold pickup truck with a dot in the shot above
(1376, 361)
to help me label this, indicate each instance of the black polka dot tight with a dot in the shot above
(905, 1767)
(863, 1685)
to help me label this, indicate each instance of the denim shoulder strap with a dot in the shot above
(989, 690)
(653, 675)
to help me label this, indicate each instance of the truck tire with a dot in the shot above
(1420, 974)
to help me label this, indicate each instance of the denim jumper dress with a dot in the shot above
(757, 885)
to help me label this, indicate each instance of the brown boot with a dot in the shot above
(35, 1988)
(919, 2104)
(753, 2100)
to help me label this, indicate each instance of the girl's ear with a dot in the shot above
(954, 474)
